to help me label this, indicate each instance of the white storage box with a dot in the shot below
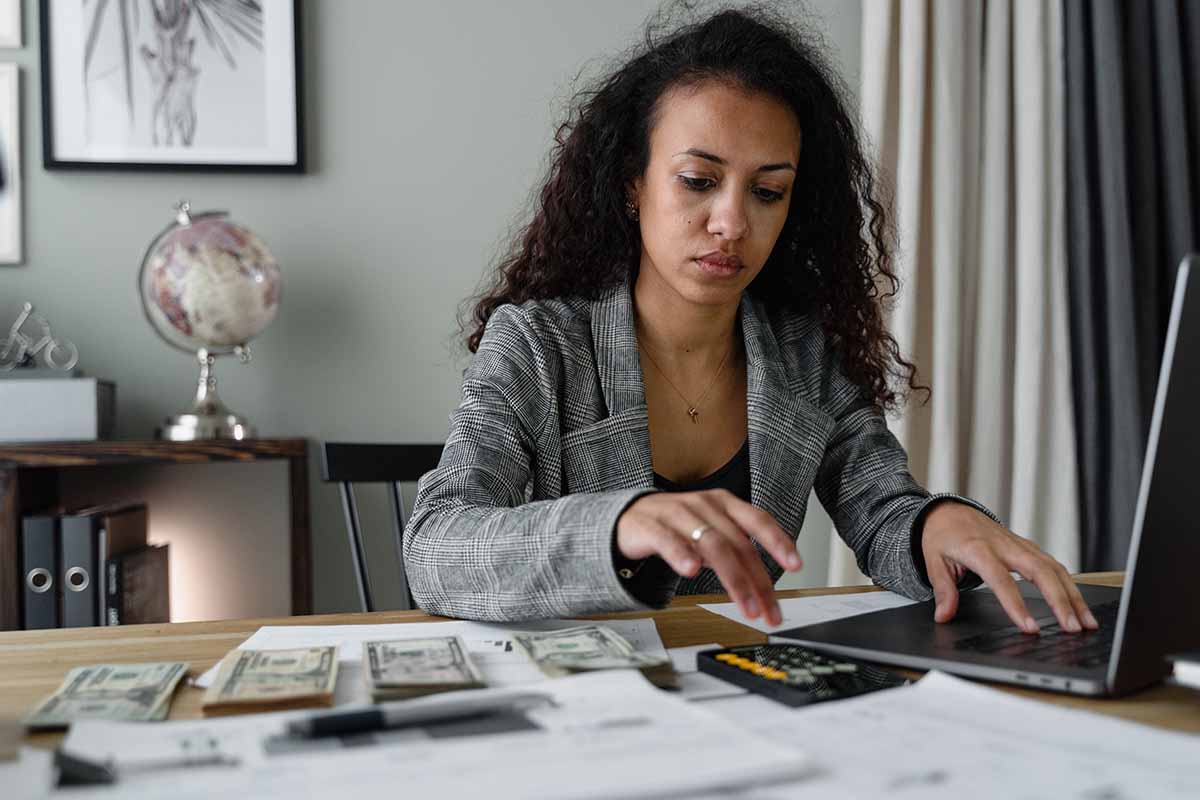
(56, 409)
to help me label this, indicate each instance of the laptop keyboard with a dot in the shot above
(1053, 645)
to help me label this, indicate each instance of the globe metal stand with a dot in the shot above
(209, 417)
(207, 286)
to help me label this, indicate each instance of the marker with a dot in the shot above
(405, 713)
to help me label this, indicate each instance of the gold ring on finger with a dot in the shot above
(699, 532)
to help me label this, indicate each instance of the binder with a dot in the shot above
(39, 572)
(90, 536)
(77, 576)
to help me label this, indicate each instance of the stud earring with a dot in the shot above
(631, 209)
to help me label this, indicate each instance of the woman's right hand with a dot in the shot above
(663, 524)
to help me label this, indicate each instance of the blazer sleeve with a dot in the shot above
(474, 548)
(877, 506)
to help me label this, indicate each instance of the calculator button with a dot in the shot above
(846, 667)
(821, 670)
(726, 657)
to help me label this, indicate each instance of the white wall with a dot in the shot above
(428, 126)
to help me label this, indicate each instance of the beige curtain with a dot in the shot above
(962, 103)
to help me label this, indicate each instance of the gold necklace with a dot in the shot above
(693, 409)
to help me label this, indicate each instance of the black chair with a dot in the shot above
(348, 464)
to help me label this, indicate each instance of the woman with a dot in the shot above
(686, 339)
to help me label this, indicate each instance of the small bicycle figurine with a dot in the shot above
(19, 350)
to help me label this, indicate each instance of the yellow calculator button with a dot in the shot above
(729, 657)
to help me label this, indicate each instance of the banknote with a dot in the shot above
(402, 668)
(131, 692)
(591, 647)
(10, 739)
(259, 680)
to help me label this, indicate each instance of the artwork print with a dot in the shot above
(176, 83)
(10, 23)
(10, 165)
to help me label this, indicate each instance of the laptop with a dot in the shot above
(1155, 613)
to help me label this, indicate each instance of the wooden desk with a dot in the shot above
(33, 663)
(29, 483)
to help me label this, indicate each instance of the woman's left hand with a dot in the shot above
(957, 537)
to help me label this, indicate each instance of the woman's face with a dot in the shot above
(715, 193)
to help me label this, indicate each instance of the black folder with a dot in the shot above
(78, 575)
(39, 571)
(90, 537)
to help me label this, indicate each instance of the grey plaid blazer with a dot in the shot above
(551, 443)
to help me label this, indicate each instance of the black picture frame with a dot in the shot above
(52, 161)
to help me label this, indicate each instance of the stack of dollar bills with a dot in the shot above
(129, 692)
(402, 668)
(592, 647)
(271, 680)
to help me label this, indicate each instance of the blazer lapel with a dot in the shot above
(613, 452)
(787, 435)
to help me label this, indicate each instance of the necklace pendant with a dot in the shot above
(695, 415)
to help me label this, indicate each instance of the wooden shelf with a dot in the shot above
(86, 454)
(29, 482)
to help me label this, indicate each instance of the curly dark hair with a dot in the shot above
(833, 256)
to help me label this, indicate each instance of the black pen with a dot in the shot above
(404, 713)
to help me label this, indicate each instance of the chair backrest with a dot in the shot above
(348, 463)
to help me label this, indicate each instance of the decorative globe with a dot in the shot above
(207, 282)
(208, 286)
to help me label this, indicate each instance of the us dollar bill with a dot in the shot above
(400, 668)
(254, 680)
(130, 692)
(10, 739)
(590, 647)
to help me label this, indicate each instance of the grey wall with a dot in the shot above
(428, 126)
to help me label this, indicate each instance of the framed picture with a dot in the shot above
(10, 23)
(180, 85)
(10, 164)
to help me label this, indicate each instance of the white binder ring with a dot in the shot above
(77, 579)
(39, 580)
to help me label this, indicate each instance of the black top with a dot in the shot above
(734, 476)
(642, 576)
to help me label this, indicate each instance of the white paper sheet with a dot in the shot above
(490, 645)
(696, 685)
(684, 658)
(799, 611)
(948, 738)
(610, 734)
(29, 776)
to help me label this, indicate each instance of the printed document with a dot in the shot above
(697, 685)
(799, 611)
(608, 734)
(945, 738)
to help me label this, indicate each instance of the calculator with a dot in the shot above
(795, 675)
